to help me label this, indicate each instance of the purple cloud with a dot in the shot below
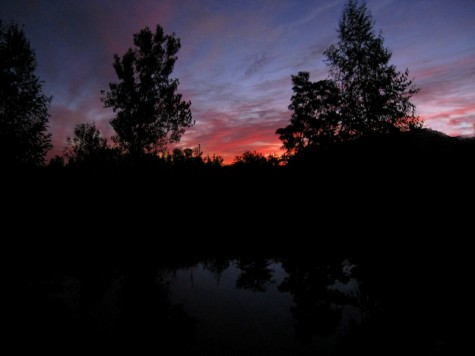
(237, 58)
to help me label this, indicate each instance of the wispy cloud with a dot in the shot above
(237, 58)
(257, 63)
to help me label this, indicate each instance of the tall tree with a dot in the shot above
(375, 96)
(364, 94)
(23, 106)
(150, 113)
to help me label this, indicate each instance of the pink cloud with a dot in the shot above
(446, 98)
(225, 135)
(453, 121)
(235, 62)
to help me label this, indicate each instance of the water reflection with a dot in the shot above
(318, 308)
(240, 305)
(255, 274)
(234, 320)
(277, 306)
(217, 266)
(102, 309)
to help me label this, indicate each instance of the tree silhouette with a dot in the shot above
(250, 158)
(318, 308)
(255, 274)
(214, 161)
(375, 96)
(23, 106)
(190, 157)
(217, 266)
(315, 119)
(86, 144)
(150, 114)
(365, 94)
(255, 160)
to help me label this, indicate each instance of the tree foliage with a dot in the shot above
(315, 119)
(188, 156)
(86, 144)
(150, 113)
(253, 159)
(364, 94)
(213, 161)
(376, 96)
(23, 106)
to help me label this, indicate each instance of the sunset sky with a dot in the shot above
(237, 58)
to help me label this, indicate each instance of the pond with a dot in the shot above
(234, 306)
(247, 308)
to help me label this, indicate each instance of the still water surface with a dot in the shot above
(318, 305)
(246, 308)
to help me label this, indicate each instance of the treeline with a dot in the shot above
(424, 147)
(356, 156)
(364, 108)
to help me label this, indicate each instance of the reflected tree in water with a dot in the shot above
(217, 266)
(317, 309)
(408, 302)
(148, 316)
(99, 307)
(255, 274)
(372, 305)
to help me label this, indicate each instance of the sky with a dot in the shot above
(237, 58)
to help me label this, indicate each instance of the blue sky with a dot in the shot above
(237, 58)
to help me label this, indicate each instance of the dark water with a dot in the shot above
(247, 309)
(240, 306)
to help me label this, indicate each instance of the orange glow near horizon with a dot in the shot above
(237, 58)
